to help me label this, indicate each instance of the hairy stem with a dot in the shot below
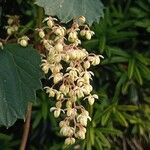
(26, 127)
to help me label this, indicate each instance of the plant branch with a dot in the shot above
(26, 127)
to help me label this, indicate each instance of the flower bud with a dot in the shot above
(57, 112)
(59, 95)
(82, 19)
(83, 120)
(80, 134)
(67, 131)
(57, 58)
(96, 61)
(9, 31)
(72, 54)
(88, 35)
(86, 64)
(82, 32)
(10, 21)
(56, 69)
(69, 141)
(64, 89)
(68, 104)
(59, 47)
(87, 89)
(60, 31)
(91, 100)
(14, 28)
(41, 34)
(62, 123)
(86, 76)
(57, 77)
(50, 91)
(80, 82)
(23, 43)
(79, 93)
(1, 45)
(50, 23)
(58, 104)
(72, 37)
(69, 111)
(65, 57)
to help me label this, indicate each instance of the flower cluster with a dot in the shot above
(68, 64)
(13, 24)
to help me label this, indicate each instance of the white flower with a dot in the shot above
(83, 118)
(72, 36)
(67, 131)
(23, 41)
(50, 91)
(69, 141)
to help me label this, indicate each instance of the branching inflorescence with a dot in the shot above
(68, 63)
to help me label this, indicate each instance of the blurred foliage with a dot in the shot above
(121, 116)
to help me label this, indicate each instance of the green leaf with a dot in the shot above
(19, 79)
(66, 10)
(137, 75)
(118, 51)
(36, 120)
(98, 144)
(145, 71)
(111, 131)
(131, 67)
(92, 135)
(105, 118)
(116, 59)
(121, 119)
(127, 107)
(125, 87)
(141, 58)
(103, 138)
(118, 87)
(133, 94)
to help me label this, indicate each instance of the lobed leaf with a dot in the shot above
(20, 75)
(66, 10)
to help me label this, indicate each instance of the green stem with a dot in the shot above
(40, 16)
(88, 138)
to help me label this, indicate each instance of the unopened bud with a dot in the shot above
(50, 23)
(58, 104)
(69, 141)
(23, 43)
(1, 45)
(58, 77)
(80, 134)
(82, 19)
(96, 61)
(82, 32)
(57, 112)
(10, 21)
(88, 35)
(59, 47)
(41, 34)
(72, 37)
(86, 64)
(9, 30)
(69, 111)
(68, 104)
(91, 100)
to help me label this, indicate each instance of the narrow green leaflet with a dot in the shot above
(131, 67)
(20, 75)
(68, 9)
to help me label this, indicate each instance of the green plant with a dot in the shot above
(22, 62)
(120, 117)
